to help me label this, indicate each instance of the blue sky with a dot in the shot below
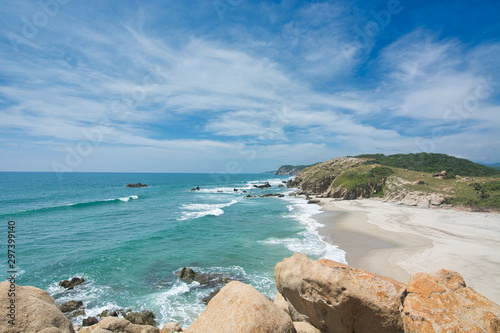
(244, 86)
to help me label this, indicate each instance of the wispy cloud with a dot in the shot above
(284, 89)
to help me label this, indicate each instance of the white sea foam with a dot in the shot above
(199, 210)
(308, 241)
(132, 197)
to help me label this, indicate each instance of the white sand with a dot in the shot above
(413, 240)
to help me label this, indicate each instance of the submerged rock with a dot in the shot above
(239, 307)
(71, 306)
(197, 188)
(187, 274)
(141, 318)
(71, 284)
(266, 184)
(35, 311)
(90, 321)
(207, 299)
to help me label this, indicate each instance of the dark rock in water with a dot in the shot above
(70, 306)
(218, 191)
(281, 196)
(114, 313)
(90, 321)
(142, 318)
(76, 313)
(187, 274)
(266, 184)
(205, 279)
(235, 189)
(270, 195)
(136, 185)
(209, 297)
(244, 191)
(284, 181)
(314, 201)
(70, 284)
(249, 196)
(197, 188)
(281, 185)
(212, 280)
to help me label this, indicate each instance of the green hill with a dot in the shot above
(411, 179)
(431, 163)
(290, 169)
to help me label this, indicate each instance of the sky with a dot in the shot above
(240, 86)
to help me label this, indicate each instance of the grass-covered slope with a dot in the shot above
(290, 169)
(430, 162)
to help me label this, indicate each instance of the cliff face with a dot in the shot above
(343, 178)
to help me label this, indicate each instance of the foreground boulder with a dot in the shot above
(239, 307)
(118, 325)
(35, 311)
(334, 297)
(441, 302)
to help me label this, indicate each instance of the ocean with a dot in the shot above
(129, 244)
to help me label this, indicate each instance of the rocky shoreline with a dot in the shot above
(313, 296)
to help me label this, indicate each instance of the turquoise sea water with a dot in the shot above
(130, 243)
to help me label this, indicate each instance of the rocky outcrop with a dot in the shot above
(90, 321)
(136, 185)
(416, 198)
(302, 327)
(197, 188)
(70, 306)
(330, 179)
(172, 327)
(118, 325)
(337, 298)
(34, 311)
(266, 184)
(281, 302)
(239, 307)
(141, 318)
(441, 302)
(71, 284)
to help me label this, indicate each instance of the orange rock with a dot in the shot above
(441, 302)
(239, 307)
(338, 298)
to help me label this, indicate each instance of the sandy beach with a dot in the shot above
(398, 241)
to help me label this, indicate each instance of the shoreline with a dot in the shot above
(398, 241)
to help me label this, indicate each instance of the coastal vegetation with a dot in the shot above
(431, 163)
(291, 169)
(414, 179)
